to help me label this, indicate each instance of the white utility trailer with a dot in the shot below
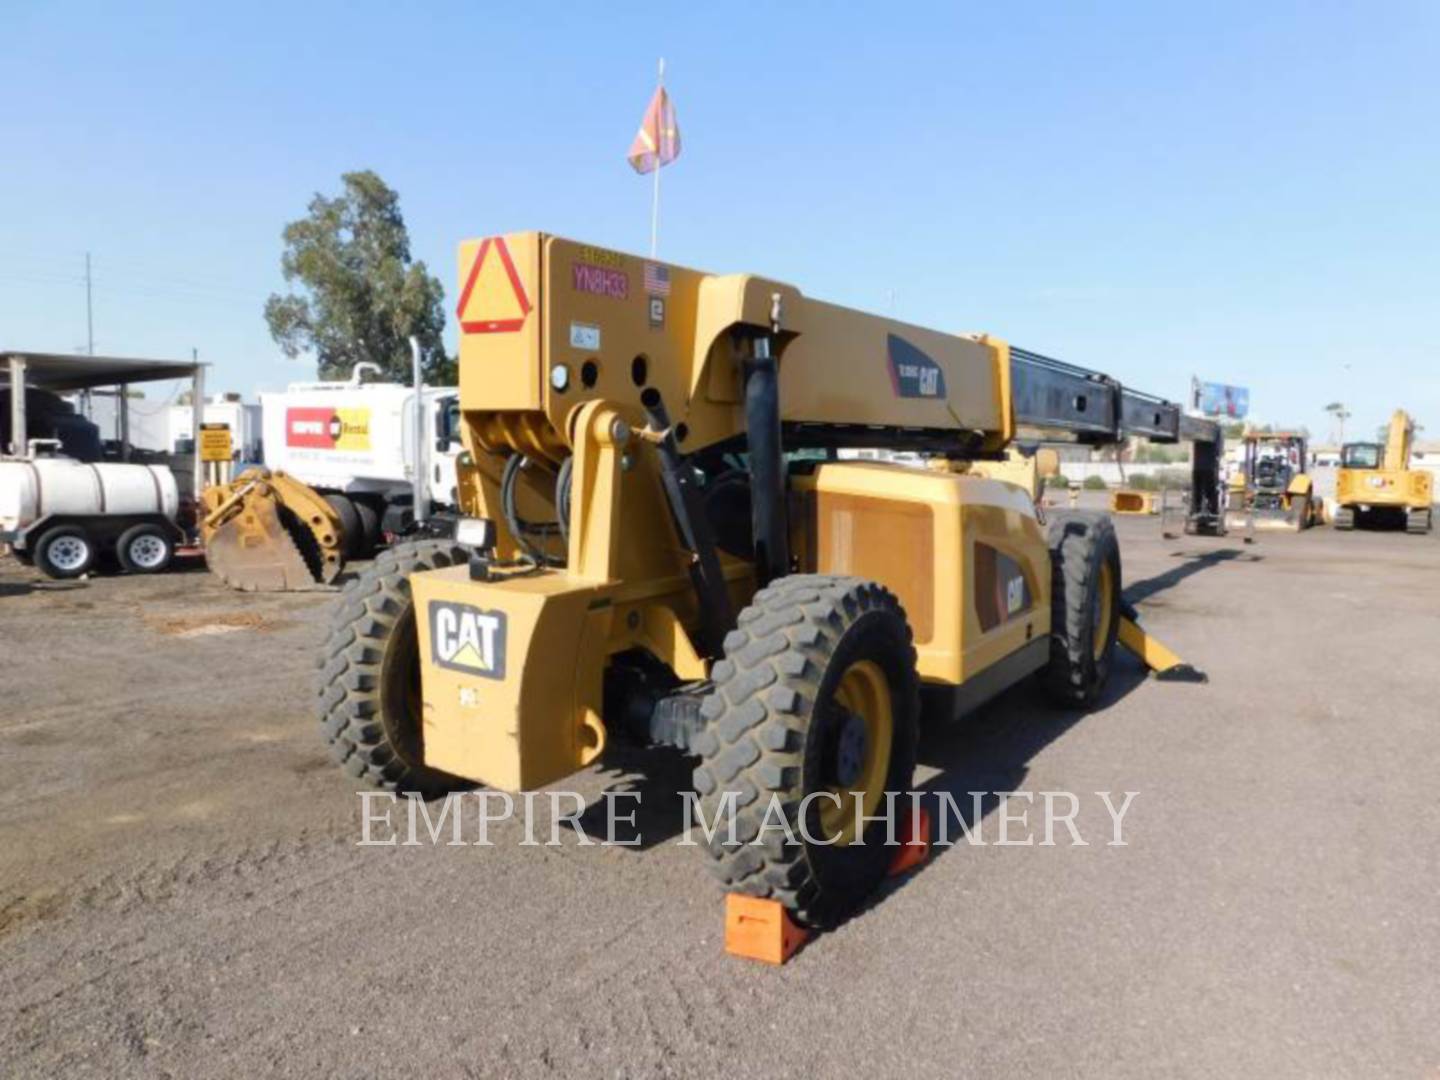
(67, 497)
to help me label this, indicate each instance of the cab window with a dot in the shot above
(1360, 456)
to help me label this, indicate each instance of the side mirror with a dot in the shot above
(442, 443)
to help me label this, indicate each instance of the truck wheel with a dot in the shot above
(1084, 607)
(815, 709)
(65, 551)
(349, 522)
(370, 673)
(144, 549)
(369, 519)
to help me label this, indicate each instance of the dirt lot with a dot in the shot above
(181, 892)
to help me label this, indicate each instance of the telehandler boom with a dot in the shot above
(659, 541)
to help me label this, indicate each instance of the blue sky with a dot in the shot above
(1245, 191)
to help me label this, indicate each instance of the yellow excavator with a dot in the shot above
(660, 542)
(266, 531)
(1376, 486)
(1272, 488)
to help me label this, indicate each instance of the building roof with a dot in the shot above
(62, 372)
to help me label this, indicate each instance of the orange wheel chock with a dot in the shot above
(915, 848)
(760, 929)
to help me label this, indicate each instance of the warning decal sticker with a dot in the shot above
(493, 300)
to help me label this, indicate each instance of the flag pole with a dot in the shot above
(655, 191)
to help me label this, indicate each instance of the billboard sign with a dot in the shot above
(1219, 400)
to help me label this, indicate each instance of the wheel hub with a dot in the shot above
(68, 552)
(147, 551)
(851, 742)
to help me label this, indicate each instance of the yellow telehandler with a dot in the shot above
(659, 541)
(1376, 486)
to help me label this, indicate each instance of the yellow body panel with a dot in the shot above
(916, 531)
(1384, 487)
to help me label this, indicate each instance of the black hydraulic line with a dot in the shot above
(766, 449)
(679, 480)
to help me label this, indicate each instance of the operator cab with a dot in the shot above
(1363, 455)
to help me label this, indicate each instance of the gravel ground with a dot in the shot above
(181, 892)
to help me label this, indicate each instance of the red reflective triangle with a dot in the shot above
(493, 326)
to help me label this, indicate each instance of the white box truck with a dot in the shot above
(356, 444)
(243, 421)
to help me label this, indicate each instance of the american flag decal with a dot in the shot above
(657, 279)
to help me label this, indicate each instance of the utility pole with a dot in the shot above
(89, 311)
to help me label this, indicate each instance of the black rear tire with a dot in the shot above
(350, 530)
(369, 687)
(1085, 607)
(776, 723)
(369, 519)
(65, 552)
(145, 549)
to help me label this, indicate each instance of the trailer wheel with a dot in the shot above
(349, 522)
(815, 709)
(1084, 606)
(145, 549)
(369, 685)
(65, 551)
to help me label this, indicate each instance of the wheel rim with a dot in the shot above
(68, 553)
(147, 552)
(862, 728)
(1104, 610)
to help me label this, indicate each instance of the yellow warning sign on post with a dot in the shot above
(215, 444)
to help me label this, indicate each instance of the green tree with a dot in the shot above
(361, 296)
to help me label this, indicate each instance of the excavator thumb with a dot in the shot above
(268, 532)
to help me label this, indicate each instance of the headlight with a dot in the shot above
(477, 533)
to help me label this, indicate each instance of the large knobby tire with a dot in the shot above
(818, 681)
(370, 673)
(1084, 605)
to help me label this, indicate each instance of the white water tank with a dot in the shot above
(30, 490)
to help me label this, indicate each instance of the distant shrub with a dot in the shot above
(1057, 481)
(1094, 483)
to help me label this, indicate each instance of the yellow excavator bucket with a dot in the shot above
(268, 532)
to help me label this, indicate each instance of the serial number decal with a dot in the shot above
(600, 281)
(600, 257)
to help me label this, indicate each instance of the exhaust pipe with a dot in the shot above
(420, 500)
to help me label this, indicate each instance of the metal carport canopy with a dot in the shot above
(66, 372)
